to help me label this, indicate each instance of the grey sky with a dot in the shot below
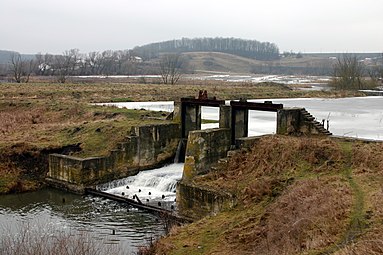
(31, 26)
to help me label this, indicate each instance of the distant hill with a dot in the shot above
(224, 62)
(305, 64)
(5, 56)
(245, 48)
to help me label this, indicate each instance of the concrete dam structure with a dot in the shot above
(150, 146)
(205, 149)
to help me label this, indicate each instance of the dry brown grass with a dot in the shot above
(368, 158)
(367, 162)
(27, 117)
(272, 163)
(41, 239)
(31, 129)
(371, 241)
(295, 196)
(310, 215)
(109, 90)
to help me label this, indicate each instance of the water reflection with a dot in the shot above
(55, 210)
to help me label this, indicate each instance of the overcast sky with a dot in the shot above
(31, 26)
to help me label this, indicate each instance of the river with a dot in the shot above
(109, 223)
(359, 117)
(51, 212)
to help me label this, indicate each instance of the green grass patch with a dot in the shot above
(121, 100)
(206, 121)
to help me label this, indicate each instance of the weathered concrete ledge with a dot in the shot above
(204, 148)
(196, 202)
(147, 147)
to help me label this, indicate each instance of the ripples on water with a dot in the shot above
(54, 211)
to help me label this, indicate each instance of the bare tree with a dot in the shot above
(21, 69)
(171, 68)
(348, 73)
(65, 64)
(93, 61)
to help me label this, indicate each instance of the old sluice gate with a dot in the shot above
(151, 146)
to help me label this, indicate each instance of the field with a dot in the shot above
(42, 117)
(223, 62)
(305, 195)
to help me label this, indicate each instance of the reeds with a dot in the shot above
(41, 239)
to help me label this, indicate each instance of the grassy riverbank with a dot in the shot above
(295, 196)
(40, 117)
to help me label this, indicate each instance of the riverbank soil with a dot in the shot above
(41, 117)
(295, 196)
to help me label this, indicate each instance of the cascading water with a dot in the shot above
(151, 186)
(180, 153)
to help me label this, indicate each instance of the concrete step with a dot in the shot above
(310, 118)
(317, 124)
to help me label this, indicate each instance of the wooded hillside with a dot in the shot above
(240, 47)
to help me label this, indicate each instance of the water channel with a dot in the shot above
(55, 211)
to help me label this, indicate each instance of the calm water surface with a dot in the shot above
(53, 210)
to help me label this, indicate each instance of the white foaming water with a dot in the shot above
(151, 185)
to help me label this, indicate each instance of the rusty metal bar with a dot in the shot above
(202, 102)
(267, 106)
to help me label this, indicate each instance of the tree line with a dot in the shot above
(240, 47)
(351, 73)
(72, 62)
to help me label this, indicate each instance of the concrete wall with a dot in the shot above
(288, 121)
(204, 148)
(297, 121)
(148, 146)
(191, 118)
(196, 202)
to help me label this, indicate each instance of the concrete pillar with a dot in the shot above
(204, 148)
(191, 118)
(177, 112)
(240, 122)
(288, 121)
(225, 116)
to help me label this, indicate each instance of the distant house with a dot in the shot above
(136, 59)
(367, 61)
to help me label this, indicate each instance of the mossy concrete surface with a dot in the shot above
(147, 146)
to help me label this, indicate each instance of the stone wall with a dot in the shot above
(204, 148)
(148, 146)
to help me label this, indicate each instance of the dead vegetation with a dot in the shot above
(31, 128)
(45, 115)
(310, 215)
(368, 158)
(295, 196)
(43, 239)
(371, 241)
(272, 164)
